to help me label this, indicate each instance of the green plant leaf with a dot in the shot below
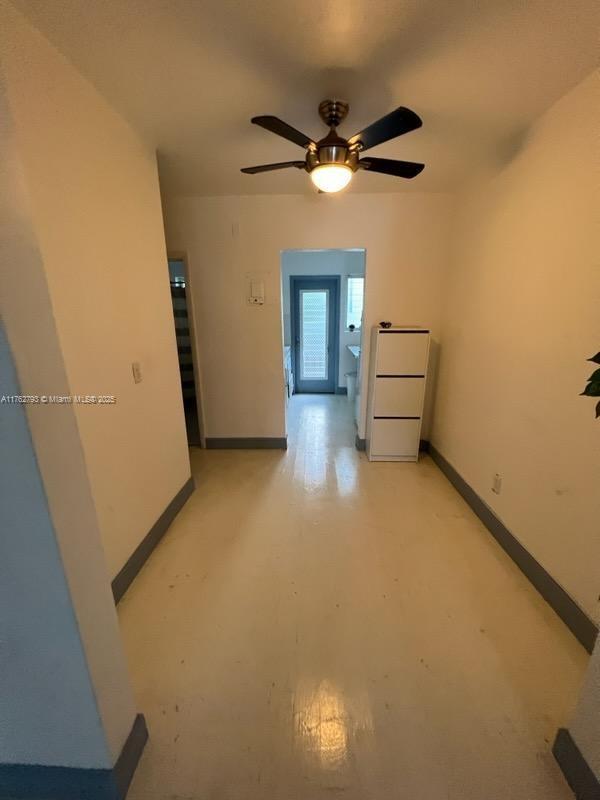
(595, 359)
(595, 376)
(592, 389)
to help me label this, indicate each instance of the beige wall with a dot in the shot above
(96, 210)
(585, 725)
(55, 599)
(229, 238)
(522, 315)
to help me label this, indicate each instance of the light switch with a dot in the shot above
(257, 293)
(136, 368)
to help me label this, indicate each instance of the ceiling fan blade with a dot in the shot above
(281, 128)
(269, 167)
(389, 166)
(396, 123)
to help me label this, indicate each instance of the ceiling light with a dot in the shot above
(331, 177)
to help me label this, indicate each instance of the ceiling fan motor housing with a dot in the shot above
(332, 149)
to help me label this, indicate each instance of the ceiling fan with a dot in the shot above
(332, 161)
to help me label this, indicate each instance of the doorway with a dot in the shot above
(182, 317)
(322, 298)
(315, 333)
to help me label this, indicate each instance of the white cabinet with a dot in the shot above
(397, 376)
(401, 352)
(399, 397)
(394, 439)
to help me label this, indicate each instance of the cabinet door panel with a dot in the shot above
(402, 353)
(395, 437)
(398, 397)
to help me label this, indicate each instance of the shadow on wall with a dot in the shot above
(511, 147)
(430, 388)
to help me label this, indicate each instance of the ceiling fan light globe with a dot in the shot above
(331, 177)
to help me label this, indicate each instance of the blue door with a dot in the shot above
(315, 331)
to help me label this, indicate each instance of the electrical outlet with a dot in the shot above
(497, 484)
(136, 368)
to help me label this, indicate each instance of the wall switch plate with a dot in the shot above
(257, 293)
(256, 288)
(136, 368)
(497, 484)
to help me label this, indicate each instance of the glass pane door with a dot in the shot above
(314, 334)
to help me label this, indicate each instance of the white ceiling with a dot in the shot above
(189, 74)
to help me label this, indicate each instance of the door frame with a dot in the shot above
(335, 301)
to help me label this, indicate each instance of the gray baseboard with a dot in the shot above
(37, 782)
(575, 768)
(140, 555)
(247, 443)
(361, 444)
(341, 390)
(580, 625)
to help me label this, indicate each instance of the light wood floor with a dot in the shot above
(316, 626)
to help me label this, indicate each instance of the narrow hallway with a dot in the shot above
(316, 625)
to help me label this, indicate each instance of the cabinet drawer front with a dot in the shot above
(402, 353)
(395, 437)
(398, 397)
